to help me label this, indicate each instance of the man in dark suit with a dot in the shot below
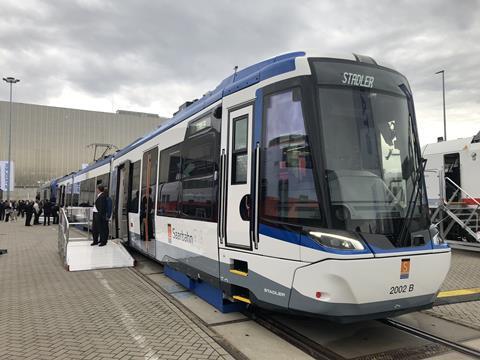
(28, 212)
(2, 210)
(100, 221)
(47, 212)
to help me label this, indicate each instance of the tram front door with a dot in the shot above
(237, 233)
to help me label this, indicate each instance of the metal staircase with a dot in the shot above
(458, 217)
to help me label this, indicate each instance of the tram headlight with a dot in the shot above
(336, 241)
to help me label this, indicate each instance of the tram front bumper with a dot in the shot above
(369, 288)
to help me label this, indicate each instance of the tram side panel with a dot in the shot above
(186, 243)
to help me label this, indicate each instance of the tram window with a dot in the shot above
(169, 181)
(75, 194)
(87, 191)
(288, 191)
(240, 152)
(103, 180)
(135, 194)
(149, 182)
(198, 182)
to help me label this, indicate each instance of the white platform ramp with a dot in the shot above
(74, 244)
(81, 256)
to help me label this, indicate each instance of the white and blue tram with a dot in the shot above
(297, 184)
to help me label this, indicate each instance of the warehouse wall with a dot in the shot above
(48, 142)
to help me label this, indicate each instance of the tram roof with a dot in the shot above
(95, 165)
(235, 82)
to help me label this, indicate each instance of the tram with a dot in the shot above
(296, 185)
(458, 161)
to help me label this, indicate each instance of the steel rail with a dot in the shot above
(292, 336)
(434, 338)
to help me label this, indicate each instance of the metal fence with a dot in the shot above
(76, 217)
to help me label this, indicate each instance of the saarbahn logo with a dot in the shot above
(169, 231)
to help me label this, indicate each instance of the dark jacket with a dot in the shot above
(101, 205)
(47, 208)
(29, 208)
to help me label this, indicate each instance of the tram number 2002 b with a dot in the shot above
(401, 289)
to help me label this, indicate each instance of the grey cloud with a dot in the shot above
(105, 48)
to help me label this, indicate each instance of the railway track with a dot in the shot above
(318, 351)
(302, 342)
(436, 339)
(436, 345)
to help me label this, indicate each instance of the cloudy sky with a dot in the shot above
(153, 55)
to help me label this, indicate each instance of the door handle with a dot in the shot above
(256, 239)
(221, 202)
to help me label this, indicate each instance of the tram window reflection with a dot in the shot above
(135, 194)
(288, 189)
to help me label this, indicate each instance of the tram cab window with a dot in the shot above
(198, 178)
(169, 183)
(135, 194)
(288, 192)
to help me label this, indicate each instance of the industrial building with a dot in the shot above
(48, 142)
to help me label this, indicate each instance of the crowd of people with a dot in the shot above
(12, 210)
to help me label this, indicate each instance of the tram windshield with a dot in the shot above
(371, 162)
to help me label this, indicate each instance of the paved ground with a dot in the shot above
(464, 271)
(466, 313)
(464, 274)
(49, 313)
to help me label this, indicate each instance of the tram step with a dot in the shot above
(239, 267)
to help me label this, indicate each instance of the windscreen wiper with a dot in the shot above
(417, 186)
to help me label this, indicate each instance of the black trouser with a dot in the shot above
(99, 229)
(45, 217)
(2, 214)
(36, 219)
(28, 219)
(55, 218)
(7, 216)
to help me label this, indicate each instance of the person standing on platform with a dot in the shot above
(36, 213)
(21, 208)
(2, 210)
(13, 212)
(47, 212)
(55, 213)
(28, 213)
(100, 222)
(8, 210)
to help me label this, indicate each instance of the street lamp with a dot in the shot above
(11, 81)
(444, 115)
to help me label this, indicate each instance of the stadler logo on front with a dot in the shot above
(358, 79)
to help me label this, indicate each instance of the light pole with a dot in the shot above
(11, 81)
(444, 115)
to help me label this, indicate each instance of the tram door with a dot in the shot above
(123, 194)
(237, 199)
(147, 202)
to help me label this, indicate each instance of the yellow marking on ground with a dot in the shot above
(458, 292)
(242, 299)
(238, 272)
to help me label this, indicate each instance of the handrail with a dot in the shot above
(66, 219)
(463, 191)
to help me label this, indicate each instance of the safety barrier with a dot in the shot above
(72, 216)
(465, 213)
